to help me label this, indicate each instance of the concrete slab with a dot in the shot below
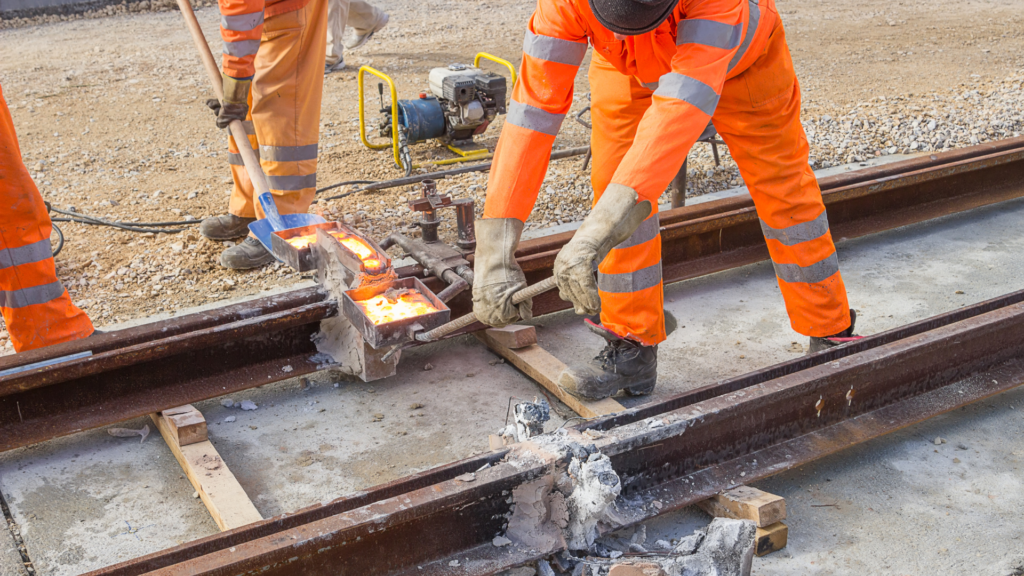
(735, 322)
(311, 442)
(10, 559)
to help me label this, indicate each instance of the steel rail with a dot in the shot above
(667, 455)
(200, 356)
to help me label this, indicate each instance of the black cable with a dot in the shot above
(142, 227)
(340, 184)
(60, 243)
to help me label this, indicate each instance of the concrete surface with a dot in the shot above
(90, 500)
(10, 559)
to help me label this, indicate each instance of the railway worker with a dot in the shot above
(35, 305)
(660, 71)
(273, 78)
(365, 20)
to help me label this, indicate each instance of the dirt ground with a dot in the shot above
(111, 122)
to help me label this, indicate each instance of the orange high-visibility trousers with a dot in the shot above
(284, 112)
(758, 117)
(35, 306)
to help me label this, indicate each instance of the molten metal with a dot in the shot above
(396, 305)
(355, 245)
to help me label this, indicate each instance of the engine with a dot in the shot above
(469, 97)
(462, 103)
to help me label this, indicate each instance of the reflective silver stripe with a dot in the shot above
(30, 296)
(650, 85)
(646, 231)
(242, 22)
(702, 96)
(291, 183)
(241, 48)
(34, 252)
(755, 17)
(709, 33)
(630, 281)
(797, 233)
(288, 153)
(250, 130)
(235, 159)
(817, 272)
(554, 49)
(526, 116)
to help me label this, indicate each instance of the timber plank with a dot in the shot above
(220, 491)
(542, 367)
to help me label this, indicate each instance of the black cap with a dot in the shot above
(632, 17)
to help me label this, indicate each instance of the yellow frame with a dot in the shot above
(394, 113)
(495, 59)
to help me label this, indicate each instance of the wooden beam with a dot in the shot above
(771, 538)
(541, 366)
(206, 470)
(746, 503)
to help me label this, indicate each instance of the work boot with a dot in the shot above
(362, 37)
(248, 254)
(336, 67)
(622, 365)
(225, 227)
(818, 344)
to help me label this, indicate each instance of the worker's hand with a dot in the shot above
(496, 275)
(235, 105)
(614, 218)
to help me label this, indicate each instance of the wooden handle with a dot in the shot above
(252, 163)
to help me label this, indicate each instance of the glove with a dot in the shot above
(235, 105)
(614, 218)
(496, 275)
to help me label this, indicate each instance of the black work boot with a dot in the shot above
(245, 255)
(225, 227)
(622, 365)
(818, 343)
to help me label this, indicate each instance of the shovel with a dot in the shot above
(275, 221)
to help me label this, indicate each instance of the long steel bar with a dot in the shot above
(697, 240)
(666, 460)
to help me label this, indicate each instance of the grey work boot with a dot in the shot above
(225, 227)
(819, 344)
(622, 365)
(245, 255)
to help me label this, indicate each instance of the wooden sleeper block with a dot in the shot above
(513, 336)
(771, 538)
(746, 503)
(186, 424)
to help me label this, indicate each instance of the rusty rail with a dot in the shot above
(668, 455)
(156, 366)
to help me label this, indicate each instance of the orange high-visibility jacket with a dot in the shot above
(241, 27)
(686, 61)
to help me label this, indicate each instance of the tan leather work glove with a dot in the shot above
(496, 275)
(613, 219)
(235, 105)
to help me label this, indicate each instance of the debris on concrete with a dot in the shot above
(724, 548)
(129, 432)
(229, 419)
(249, 405)
(227, 403)
(528, 421)
(500, 542)
(468, 477)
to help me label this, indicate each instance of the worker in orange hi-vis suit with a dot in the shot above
(35, 306)
(660, 71)
(273, 72)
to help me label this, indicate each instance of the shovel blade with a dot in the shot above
(262, 228)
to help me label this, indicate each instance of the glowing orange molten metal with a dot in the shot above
(354, 244)
(396, 305)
